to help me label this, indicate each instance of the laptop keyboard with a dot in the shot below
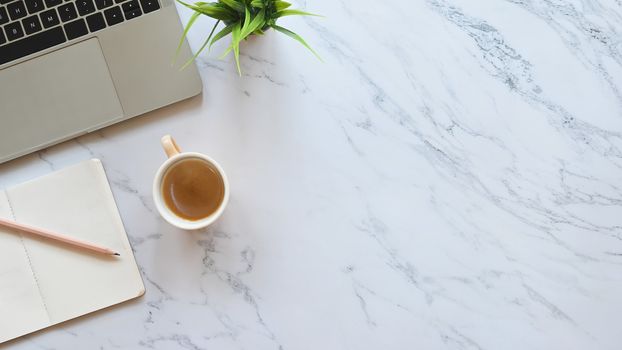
(30, 26)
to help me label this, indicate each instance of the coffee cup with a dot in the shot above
(190, 189)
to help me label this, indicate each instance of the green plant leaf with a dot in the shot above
(226, 30)
(217, 12)
(247, 21)
(190, 6)
(202, 46)
(224, 54)
(238, 6)
(242, 18)
(235, 44)
(257, 22)
(193, 7)
(211, 10)
(295, 37)
(284, 13)
(191, 21)
(281, 5)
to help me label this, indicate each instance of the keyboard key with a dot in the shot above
(76, 29)
(31, 44)
(34, 5)
(67, 12)
(52, 3)
(149, 5)
(133, 14)
(129, 6)
(49, 18)
(2, 2)
(2, 37)
(4, 16)
(31, 24)
(113, 15)
(102, 4)
(17, 10)
(14, 31)
(96, 22)
(85, 7)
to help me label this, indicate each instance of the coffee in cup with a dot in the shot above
(190, 189)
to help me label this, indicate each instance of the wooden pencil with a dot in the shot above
(56, 236)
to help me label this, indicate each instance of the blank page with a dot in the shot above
(71, 281)
(21, 306)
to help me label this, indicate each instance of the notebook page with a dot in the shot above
(21, 305)
(77, 201)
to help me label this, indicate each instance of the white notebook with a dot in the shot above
(43, 282)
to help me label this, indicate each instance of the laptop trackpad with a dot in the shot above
(54, 97)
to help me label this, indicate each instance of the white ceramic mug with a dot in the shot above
(175, 155)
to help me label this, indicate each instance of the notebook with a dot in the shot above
(43, 282)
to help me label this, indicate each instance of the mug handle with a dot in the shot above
(170, 146)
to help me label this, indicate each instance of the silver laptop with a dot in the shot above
(69, 67)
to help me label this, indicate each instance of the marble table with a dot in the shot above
(450, 177)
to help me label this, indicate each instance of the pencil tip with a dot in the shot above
(117, 254)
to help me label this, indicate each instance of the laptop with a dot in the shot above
(69, 67)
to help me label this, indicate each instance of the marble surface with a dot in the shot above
(450, 177)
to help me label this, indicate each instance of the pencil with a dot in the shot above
(56, 236)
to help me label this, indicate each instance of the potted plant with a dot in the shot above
(241, 19)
